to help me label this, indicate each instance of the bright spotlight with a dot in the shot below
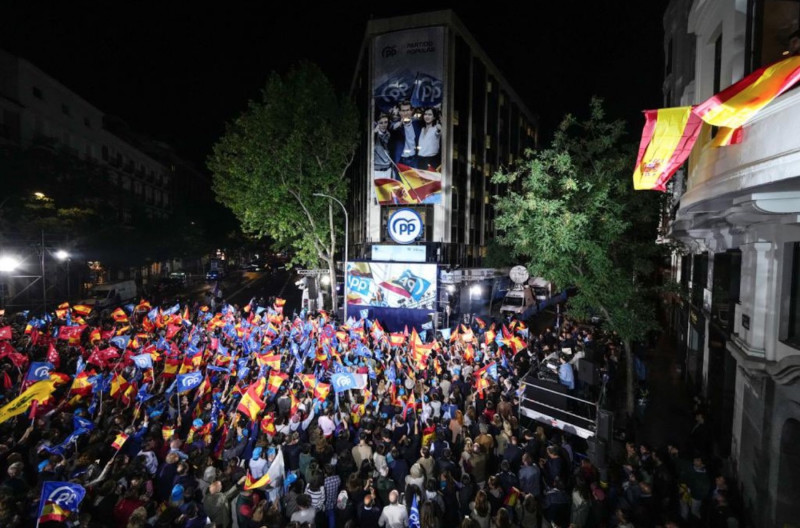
(62, 255)
(8, 263)
(325, 280)
(451, 288)
(475, 290)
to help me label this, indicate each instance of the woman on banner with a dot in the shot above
(430, 157)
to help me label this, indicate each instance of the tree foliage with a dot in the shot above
(297, 140)
(576, 221)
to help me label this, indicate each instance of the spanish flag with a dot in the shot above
(268, 425)
(276, 379)
(82, 310)
(322, 390)
(273, 361)
(119, 441)
(251, 404)
(667, 140)
(167, 432)
(119, 315)
(736, 104)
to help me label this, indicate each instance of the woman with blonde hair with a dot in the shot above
(463, 461)
(456, 426)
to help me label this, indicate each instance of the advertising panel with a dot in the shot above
(407, 87)
(398, 253)
(392, 285)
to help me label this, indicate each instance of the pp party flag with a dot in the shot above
(38, 371)
(344, 381)
(58, 501)
(667, 140)
(736, 104)
(119, 441)
(413, 516)
(189, 381)
(274, 474)
(37, 392)
(143, 361)
(5, 333)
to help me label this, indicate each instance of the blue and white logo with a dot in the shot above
(404, 226)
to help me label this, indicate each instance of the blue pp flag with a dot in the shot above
(60, 497)
(344, 381)
(121, 342)
(143, 361)
(189, 381)
(413, 516)
(152, 314)
(173, 310)
(39, 370)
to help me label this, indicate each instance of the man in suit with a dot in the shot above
(404, 138)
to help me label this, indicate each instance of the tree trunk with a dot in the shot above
(630, 396)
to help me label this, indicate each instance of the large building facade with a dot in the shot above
(433, 102)
(736, 212)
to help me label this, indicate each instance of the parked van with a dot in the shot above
(111, 294)
(517, 301)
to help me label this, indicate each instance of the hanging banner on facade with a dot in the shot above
(391, 285)
(407, 87)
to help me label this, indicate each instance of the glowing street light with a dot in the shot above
(62, 255)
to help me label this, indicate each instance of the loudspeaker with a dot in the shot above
(587, 373)
(605, 425)
(596, 451)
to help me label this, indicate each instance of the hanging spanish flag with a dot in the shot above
(736, 104)
(119, 441)
(667, 140)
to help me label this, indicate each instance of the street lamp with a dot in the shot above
(346, 237)
(8, 264)
(65, 256)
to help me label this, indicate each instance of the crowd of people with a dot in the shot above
(426, 434)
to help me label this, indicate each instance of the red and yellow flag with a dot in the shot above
(736, 104)
(276, 379)
(251, 404)
(667, 140)
(251, 483)
(268, 425)
(119, 315)
(82, 310)
(119, 441)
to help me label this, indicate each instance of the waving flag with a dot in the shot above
(268, 424)
(251, 404)
(143, 361)
(735, 105)
(275, 381)
(119, 441)
(38, 392)
(189, 381)
(5, 333)
(39, 371)
(58, 501)
(667, 140)
(274, 474)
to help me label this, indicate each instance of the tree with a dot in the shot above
(299, 139)
(577, 221)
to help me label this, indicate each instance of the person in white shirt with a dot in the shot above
(258, 466)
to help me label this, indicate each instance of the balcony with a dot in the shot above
(739, 185)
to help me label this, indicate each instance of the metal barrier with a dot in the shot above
(548, 402)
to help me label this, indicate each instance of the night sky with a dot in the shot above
(178, 74)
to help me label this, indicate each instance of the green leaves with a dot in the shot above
(577, 221)
(298, 139)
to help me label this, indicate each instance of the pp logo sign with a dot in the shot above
(404, 226)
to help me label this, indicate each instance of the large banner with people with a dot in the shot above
(391, 285)
(407, 87)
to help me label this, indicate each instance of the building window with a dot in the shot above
(37, 93)
(793, 322)
(772, 26)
